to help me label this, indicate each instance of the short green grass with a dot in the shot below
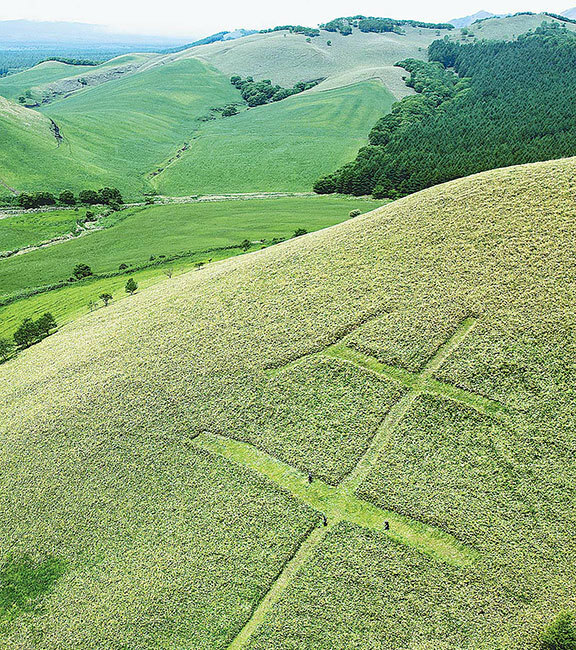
(24, 581)
(36, 79)
(113, 133)
(33, 228)
(279, 147)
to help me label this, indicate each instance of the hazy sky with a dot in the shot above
(190, 18)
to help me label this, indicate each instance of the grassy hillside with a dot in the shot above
(416, 362)
(30, 157)
(288, 58)
(280, 146)
(193, 232)
(44, 75)
(130, 125)
(507, 28)
(112, 133)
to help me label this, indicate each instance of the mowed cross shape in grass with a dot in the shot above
(340, 503)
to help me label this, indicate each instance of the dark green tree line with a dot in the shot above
(513, 103)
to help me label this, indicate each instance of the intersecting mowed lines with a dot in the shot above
(340, 504)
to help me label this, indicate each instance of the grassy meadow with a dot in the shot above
(38, 78)
(123, 131)
(33, 228)
(283, 146)
(275, 536)
(191, 231)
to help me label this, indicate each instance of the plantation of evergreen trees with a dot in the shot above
(512, 103)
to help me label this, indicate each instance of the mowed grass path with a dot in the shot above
(154, 231)
(284, 146)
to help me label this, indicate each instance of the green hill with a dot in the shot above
(115, 132)
(280, 146)
(288, 58)
(45, 77)
(125, 119)
(415, 363)
(508, 28)
(32, 158)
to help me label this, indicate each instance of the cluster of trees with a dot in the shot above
(294, 29)
(256, 93)
(435, 86)
(380, 25)
(498, 116)
(342, 25)
(32, 331)
(105, 196)
(70, 61)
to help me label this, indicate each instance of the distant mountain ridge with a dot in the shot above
(569, 13)
(466, 21)
(58, 32)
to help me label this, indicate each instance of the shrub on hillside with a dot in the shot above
(355, 213)
(299, 232)
(66, 197)
(229, 110)
(131, 286)
(89, 197)
(105, 298)
(82, 271)
(31, 331)
(561, 633)
(5, 349)
(109, 196)
(35, 200)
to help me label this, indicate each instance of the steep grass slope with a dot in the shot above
(31, 157)
(278, 147)
(416, 362)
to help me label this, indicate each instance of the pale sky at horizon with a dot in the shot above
(182, 19)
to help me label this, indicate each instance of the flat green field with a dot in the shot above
(283, 146)
(153, 231)
(33, 228)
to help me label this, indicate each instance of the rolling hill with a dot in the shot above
(358, 438)
(136, 121)
(124, 119)
(507, 28)
(277, 147)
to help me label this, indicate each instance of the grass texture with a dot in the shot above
(467, 285)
